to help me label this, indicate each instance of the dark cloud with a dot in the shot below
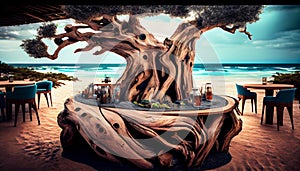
(287, 17)
(276, 21)
(288, 41)
(19, 32)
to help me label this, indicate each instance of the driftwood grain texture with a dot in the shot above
(143, 138)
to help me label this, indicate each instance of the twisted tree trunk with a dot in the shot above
(154, 69)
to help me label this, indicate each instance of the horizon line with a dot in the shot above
(232, 63)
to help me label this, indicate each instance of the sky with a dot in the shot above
(276, 39)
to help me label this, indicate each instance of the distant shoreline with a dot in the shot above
(198, 65)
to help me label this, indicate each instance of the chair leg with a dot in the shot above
(30, 111)
(279, 116)
(243, 106)
(17, 106)
(290, 110)
(45, 94)
(252, 105)
(255, 104)
(262, 115)
(50, 98)
(39, 97)
(36, 111)
(23, 111)
(3, 114)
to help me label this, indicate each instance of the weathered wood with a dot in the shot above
(154, 69)
(144, 137)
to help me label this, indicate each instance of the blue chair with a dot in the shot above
(244, 94)
(284, 98)
(2, 104)
(44, 87)
(22, 95)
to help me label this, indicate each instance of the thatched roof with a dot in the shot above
(26, 14)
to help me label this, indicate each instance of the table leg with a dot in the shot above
(8, 106)
(8, 111)
(8, 89)
(269, 109)
(269, 92)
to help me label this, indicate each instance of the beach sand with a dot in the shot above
(30, 146)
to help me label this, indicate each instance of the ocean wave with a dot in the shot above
(116, 70)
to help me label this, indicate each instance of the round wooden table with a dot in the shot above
(269, 91)
(9, 85)
(269, 88)
(140, 135)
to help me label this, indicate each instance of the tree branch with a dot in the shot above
(233, 29)
(246, 32)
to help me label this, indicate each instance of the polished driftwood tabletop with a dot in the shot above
(15, 83)
(219, 105)
(268, 86)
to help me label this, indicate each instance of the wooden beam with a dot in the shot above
(35, 17)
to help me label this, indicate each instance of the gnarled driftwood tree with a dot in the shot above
(154, 69)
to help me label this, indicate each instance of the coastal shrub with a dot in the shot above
(20, 73)
(289, 78)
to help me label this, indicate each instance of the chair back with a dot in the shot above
(23, 92)
(286, 95)
(47, 85)
(241, 90)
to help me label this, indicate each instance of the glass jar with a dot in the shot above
(208, 91)
(195, 97)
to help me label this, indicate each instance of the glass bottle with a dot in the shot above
(10, 77)
(104, 94)
(208, 91)
(116, 94)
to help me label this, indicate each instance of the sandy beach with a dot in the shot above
(30, 146)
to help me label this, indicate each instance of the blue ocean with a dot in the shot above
(199, 70)
(220, 75)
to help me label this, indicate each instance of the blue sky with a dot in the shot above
(276, 39)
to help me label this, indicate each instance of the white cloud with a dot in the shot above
(284, 40)
(160, 28)
(10, 45)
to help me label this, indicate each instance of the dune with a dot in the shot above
(30, 146)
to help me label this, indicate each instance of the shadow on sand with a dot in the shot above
(82, 153)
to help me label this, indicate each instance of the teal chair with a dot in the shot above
(244, 94)
(44, 87)
(22, 95)
(2, 104)
(284, 98)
